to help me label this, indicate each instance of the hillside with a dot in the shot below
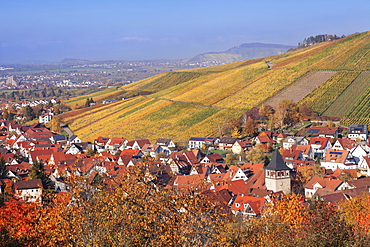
(181, 104)
(242, 52)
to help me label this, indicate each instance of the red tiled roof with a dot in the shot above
(327, 183)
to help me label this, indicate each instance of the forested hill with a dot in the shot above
(331, 76)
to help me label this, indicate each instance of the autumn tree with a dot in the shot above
(305, 111)
(356, 213)
(56, 124)
(283, 220)
(325, 226)
(20, 224)
(287, 113)
(256, 154)
(5, 114)
(266, 111)
(250, 127)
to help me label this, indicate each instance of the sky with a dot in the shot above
(52, 30)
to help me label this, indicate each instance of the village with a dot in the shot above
(319, 162)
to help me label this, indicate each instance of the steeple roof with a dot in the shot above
(277, 163)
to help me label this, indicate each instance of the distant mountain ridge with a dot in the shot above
(242, 52)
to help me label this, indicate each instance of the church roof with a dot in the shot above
(277, 163)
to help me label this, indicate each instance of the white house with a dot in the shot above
(294, 140)
(45, 118)
(358, 131)
(196, 142)
(29, 190)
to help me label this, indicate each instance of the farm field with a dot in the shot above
(299, 89)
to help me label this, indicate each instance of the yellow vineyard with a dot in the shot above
(181, 104)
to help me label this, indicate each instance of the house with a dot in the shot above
(294, 140)
(127, 160)
(281, 137)
(190, 183)
(335, 159)
(137, 144)
(364, 165)
(39, 155)
(151, 150)
(248, 206)
(323, 132)
(179, 163)
(226, 143)
(45, 118)
(330, 185)
(116, 144)
(165, 143)
(74, 139)
(78, 148)
(357, 153)
(235, 173)
(29, 190)
(101, 142)
(263, 139)
(320, 145)
(210, 141)
(200, 169)
(291, 156)
(241, 146)
(344, 144)
(358, 131)
(196, 142)
(307, 153)
(58, 139)
(213, 158)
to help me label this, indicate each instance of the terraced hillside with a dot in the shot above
(188, 103)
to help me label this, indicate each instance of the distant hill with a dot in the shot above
(333, 77)
(242, 52)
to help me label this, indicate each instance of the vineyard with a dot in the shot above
(352, 96)
(348, 121)
(321, 98)
(329, 76)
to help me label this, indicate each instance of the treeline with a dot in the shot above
(287, 114)
(44, 93)
(318, 39)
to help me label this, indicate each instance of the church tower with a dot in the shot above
(277, 174)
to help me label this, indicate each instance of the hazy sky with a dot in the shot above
(51, 30)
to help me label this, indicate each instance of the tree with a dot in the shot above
(250, 127)
(325, 226)
(266, 111)
(236, 132)
(305, 111)
(28, 113)
(56, 124)
(87, 103)
(287, 113)
(5, 114)
(38, 172)
(256, 154)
